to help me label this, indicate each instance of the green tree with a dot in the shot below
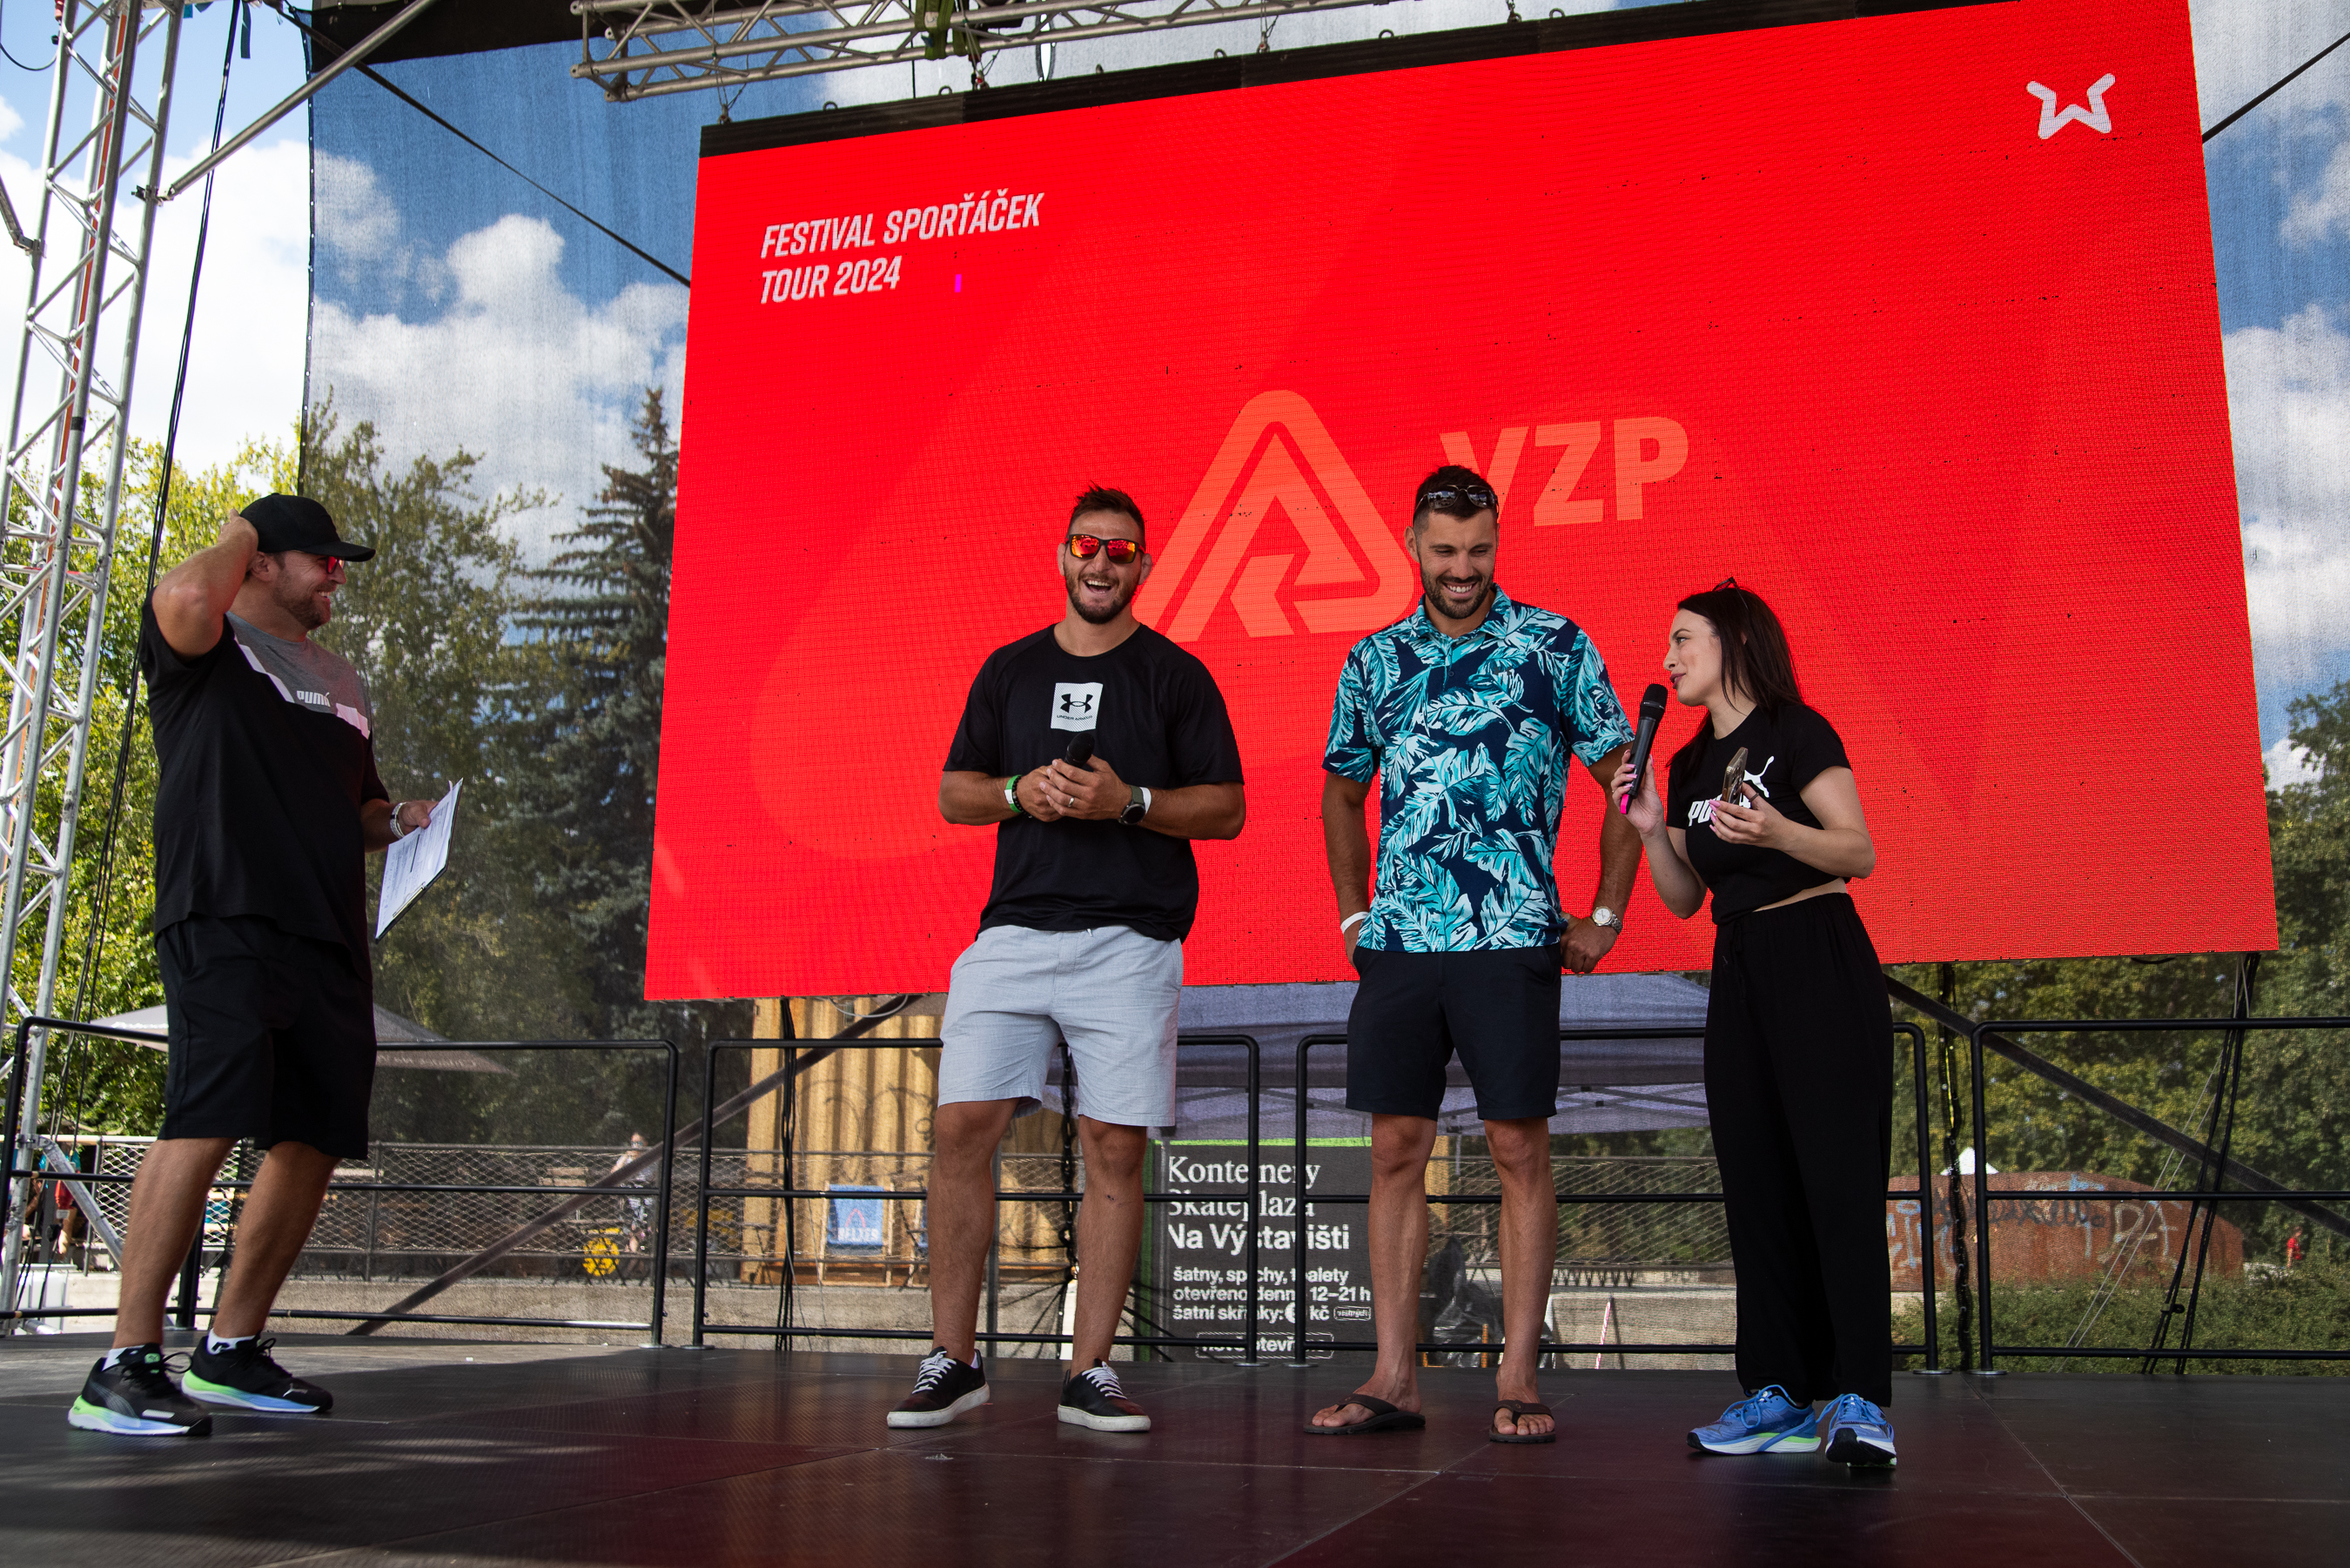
(426, 623)
(601, 621)
(107, 959)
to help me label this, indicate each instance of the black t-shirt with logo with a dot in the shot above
(259, 788)
(1156, 719)
(1784, 753)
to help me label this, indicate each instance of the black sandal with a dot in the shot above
(1517, 1408)
(1385, 1418)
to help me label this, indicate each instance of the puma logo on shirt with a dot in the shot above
(1702, 810)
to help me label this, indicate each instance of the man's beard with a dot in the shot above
(1430, 588)
(305, 609)
(1099, 616)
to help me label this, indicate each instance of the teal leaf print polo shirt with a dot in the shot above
(1469, 738)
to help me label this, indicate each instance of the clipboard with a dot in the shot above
(412, 863)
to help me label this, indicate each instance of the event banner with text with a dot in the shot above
(1907, 323)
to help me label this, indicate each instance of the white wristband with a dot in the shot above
(1349, 922)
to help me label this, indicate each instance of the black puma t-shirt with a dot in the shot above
(1157, 720)
(1783, 753)
(260, 784)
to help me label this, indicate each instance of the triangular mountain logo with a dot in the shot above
(1278, 457)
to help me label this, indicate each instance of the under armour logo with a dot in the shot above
(1279, 459)
(2053, 120)
(1076, 704)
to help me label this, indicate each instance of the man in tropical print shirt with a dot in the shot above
(1470, 714)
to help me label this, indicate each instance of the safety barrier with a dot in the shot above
(1992, 1034)
(611, 1185)
(1923, 1192)
(784, 1082)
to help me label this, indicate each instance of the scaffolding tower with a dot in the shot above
(93, 225)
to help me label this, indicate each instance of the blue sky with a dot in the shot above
(461, 305)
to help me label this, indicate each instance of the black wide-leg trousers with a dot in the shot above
(1799, 1084)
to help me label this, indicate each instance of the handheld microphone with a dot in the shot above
(1652, 713)
(1081, 747)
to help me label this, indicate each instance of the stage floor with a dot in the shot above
(503, 1453)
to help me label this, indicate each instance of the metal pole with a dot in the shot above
(1930, 1243)
(1255, 1203)
(63, 577)
(702, 1196)
(1298, 1223)
(301, 95)
(1982, 1206)
(190, 1269)
(994, 1240)
(662, 1201)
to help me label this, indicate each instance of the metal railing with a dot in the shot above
(183, 1314)
(784, 1332)
(1923, 1192)
(1986, 1037)
(1991, 1035)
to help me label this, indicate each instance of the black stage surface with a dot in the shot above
(539, 1454)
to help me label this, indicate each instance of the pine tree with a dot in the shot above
(602, 629)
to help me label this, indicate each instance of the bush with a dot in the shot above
(2303, 1308)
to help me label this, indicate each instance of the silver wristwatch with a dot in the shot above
(1603, 916)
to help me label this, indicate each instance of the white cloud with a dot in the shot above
(2289, 764)
(2289, 402)
(513, 367)
(245, 374)
(2242, 46)
(2324, 208)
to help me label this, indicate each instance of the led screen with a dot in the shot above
(1907, 323)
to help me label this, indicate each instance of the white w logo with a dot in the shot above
(1278, 455)
(2053, 120)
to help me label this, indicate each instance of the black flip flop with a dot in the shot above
(1385, 1418)
(1517, 1408)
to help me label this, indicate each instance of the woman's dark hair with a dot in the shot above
(1755, 663)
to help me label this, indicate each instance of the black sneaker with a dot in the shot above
(944, 1388)
(244, 1376)
(135, 1397)
(1093, 1398)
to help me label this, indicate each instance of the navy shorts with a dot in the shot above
(1498, 1008)
(273, 1036)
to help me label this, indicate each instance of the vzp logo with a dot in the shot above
(1076, 704)
(1278, 455)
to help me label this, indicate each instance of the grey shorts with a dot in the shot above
(1111, 992)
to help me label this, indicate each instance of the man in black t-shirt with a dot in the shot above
(1081, 940)
(266, 801)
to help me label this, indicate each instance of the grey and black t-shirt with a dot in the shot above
(263, 761)
(304, 672)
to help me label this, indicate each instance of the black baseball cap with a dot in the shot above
(299, 523)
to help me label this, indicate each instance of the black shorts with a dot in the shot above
(1498, 1008)
(273, 1036)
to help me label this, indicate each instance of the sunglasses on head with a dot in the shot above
(1121, 552)
(1476, 497)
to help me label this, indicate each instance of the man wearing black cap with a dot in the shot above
(266, 801)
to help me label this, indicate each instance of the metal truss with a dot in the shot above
(655, 47)
(61, 487)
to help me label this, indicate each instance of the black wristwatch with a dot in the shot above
(1138, 805)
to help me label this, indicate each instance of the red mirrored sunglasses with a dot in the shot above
(1121, 552)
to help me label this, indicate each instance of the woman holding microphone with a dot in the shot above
(1760, 810)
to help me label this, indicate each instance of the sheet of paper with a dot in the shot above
(412, 863)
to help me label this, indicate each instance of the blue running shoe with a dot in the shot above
(1764, 1423)
(1857, 1433)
